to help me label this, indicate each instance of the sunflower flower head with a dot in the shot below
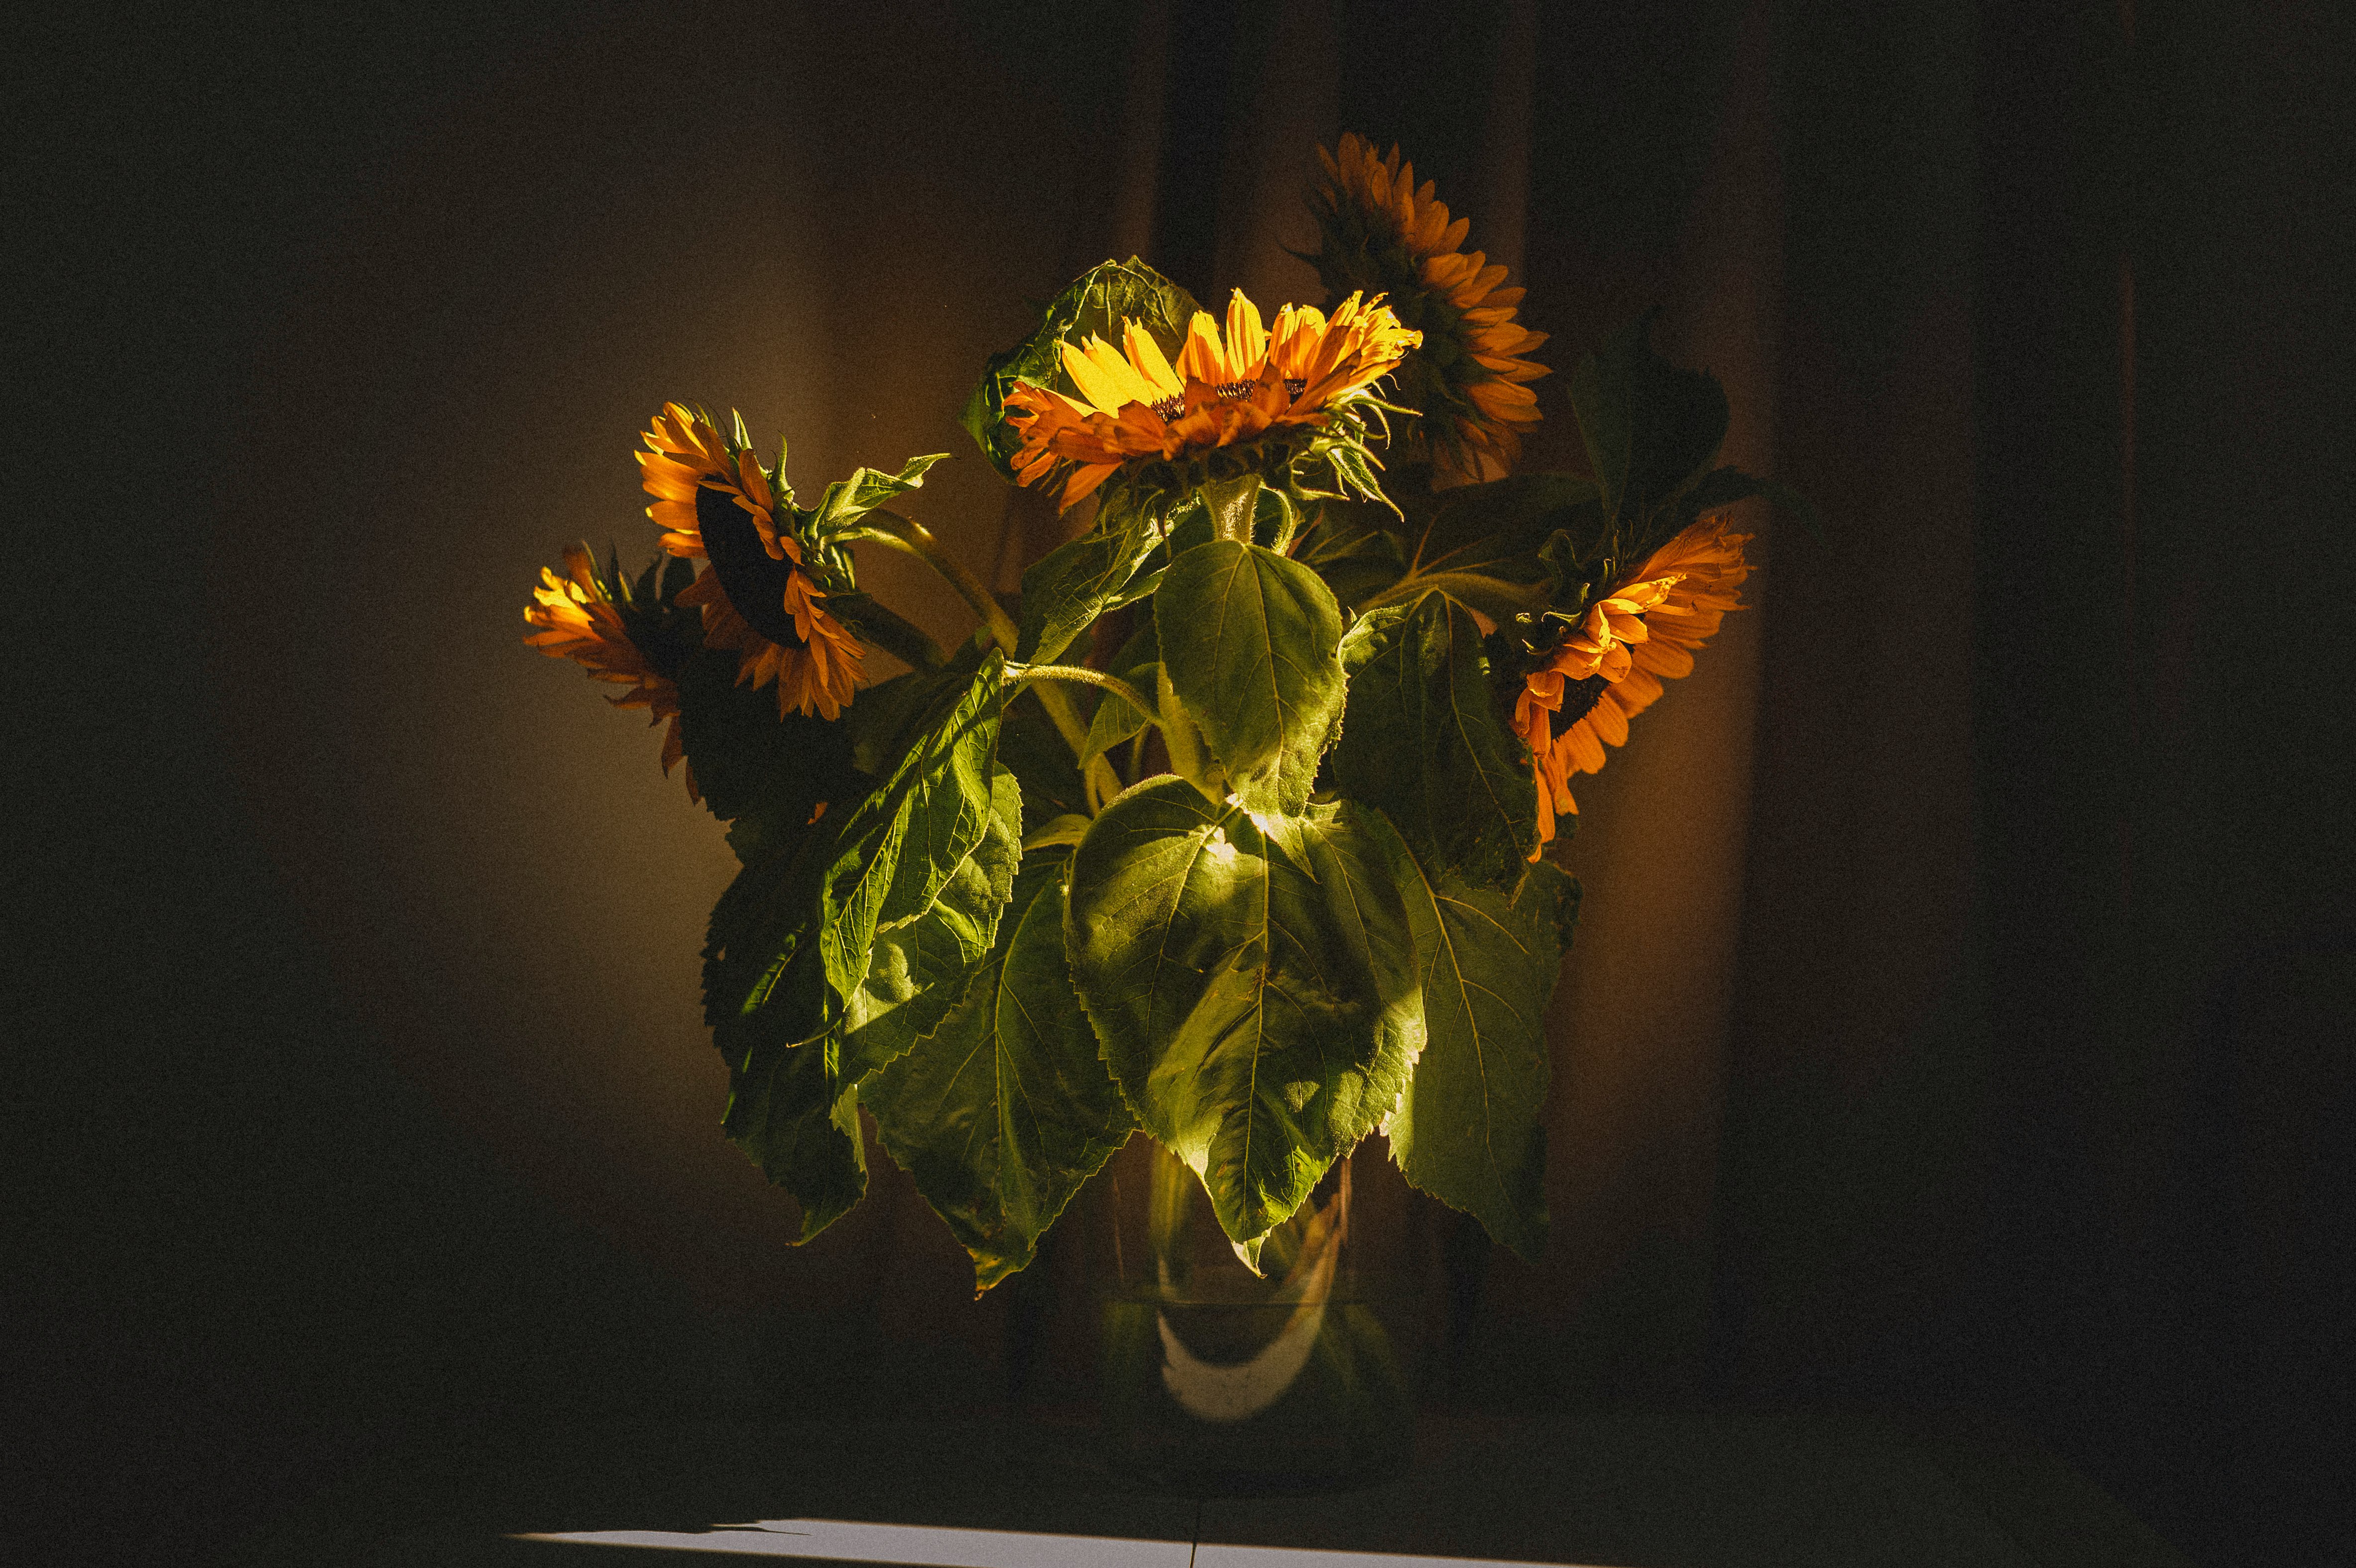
(1244, 395)
(1468, 378)
(1608, 664)
(768, 566)
(574, 616)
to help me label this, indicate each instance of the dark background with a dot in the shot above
(2060, 298)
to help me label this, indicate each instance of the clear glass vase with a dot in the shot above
(1217, 1380)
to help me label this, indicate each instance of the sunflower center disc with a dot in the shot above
(756, 583)
(1579, 698)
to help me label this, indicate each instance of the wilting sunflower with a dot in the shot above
(715, 501)
(1609, 665)
(574, 618)
(1383, 232)
(1227, 388)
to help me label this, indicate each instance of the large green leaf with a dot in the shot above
(1469, 1128)
(1249, 979)
(1093, 305)
(1651, 429)
(1071, 585)
(795, 1120)
(917, 964)
(1423, 740)
(1252, 643)
(789, 942)
(1005, 1109)
(793, 1095)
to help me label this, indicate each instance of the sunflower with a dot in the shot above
(1610, 667)
(574, 618)
(1227, 387)
(1384, 232)
(713, 500)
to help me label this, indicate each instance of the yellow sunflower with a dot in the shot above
(715, 503)
(1226, 388)
(1384, 232)
(1609, 667)
(572, 619)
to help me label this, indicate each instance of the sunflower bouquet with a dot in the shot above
(1233, 829)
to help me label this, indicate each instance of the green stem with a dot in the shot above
(907, 533)
(887, 526)
(1084, 675)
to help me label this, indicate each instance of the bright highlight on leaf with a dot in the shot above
(1247, 986)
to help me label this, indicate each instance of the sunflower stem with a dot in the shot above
(1082, 675)
(889, 527)
(905, 533)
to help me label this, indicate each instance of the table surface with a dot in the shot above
(1677, 1489)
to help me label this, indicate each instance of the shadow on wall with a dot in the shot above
(501, 878)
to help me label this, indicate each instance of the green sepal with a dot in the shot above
(1248, 977)
(1422, 740)
(1004, 1110)
(1093, 305)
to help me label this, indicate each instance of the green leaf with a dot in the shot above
(917, 964)
(1251, 641)
(1005, 1110)
(796, 1040)
(1356, 560)
(790, 941)
(1094, 304)
(1116, 718)
(1058, 832)
(1074, 583)
(1469, 1129)
(846, 500)
(1422, 740)
(795, 1122)
(1248, 979)
(1651, 429)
